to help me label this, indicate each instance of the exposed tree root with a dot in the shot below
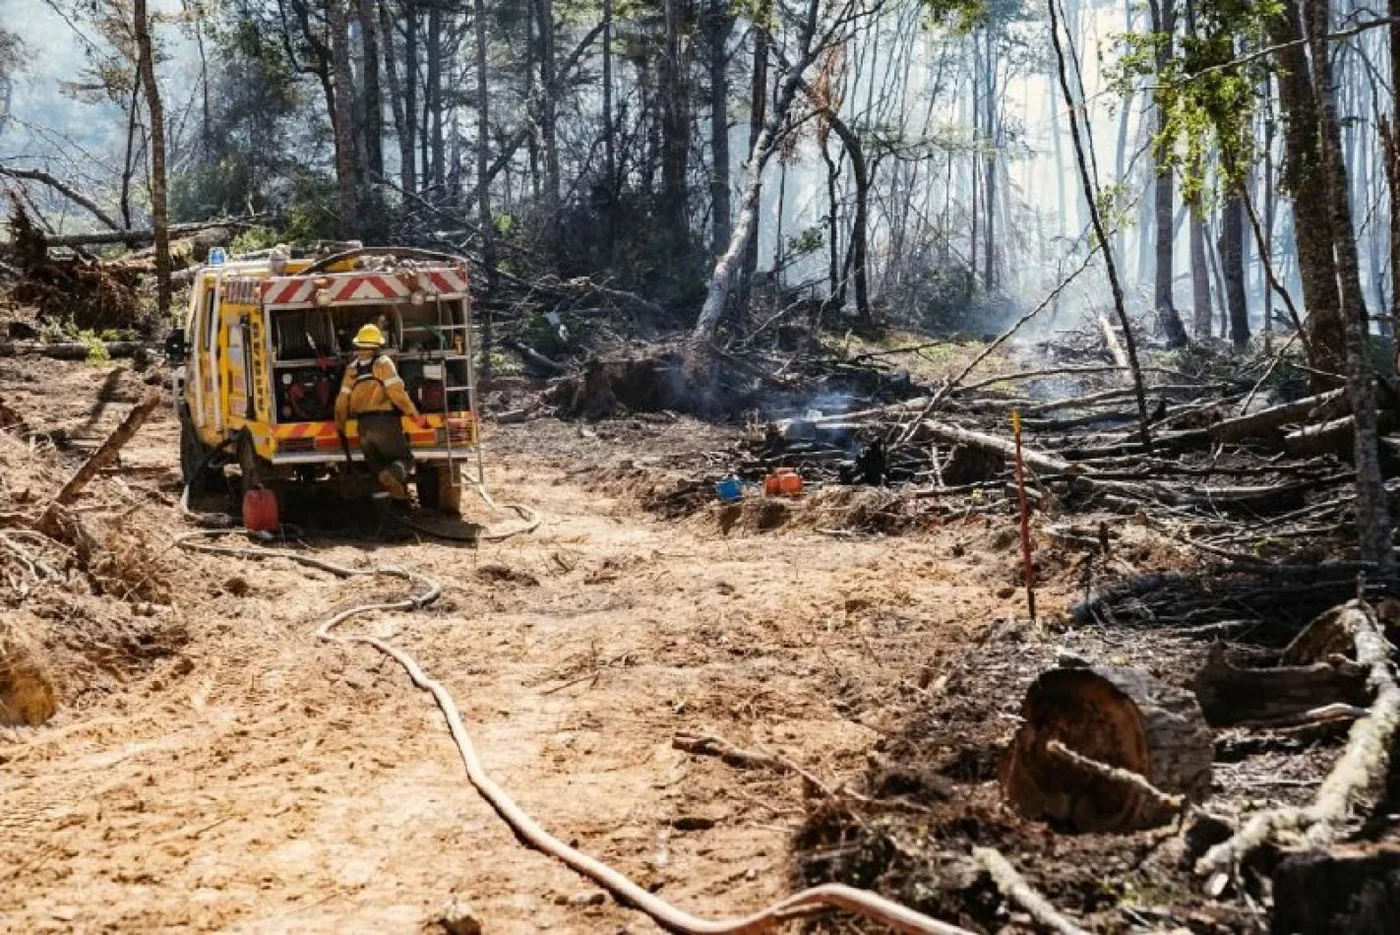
(1015, 888)
(1360, 768)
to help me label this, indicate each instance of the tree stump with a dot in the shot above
(1119, 717)
(1348, 889)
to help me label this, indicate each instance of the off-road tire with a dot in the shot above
(436, 491)
(193, 453)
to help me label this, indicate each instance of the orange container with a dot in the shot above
(260, 510)
(782, 482)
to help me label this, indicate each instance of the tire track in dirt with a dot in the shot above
(264, 782)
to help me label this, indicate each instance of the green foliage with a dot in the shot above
(97, 355)
(253, 239)
(966, 15)
(806, 241)
(1205, 87)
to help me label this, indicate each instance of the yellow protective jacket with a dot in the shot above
(372, 385)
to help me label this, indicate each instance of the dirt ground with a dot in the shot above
(249, 778)
(212, 766)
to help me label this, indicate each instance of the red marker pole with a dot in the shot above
(1025, 514)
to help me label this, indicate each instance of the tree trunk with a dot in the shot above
(989, 169)
(675, 119)
(396, 101)
(1164, 24)
(549, 111)
(758, 116)
(720, 25)
(410, 95)
(129, 162)
(160, 218)
(1392, 169)
(1200, 273)
(1302, 169)
(717, 293)
(859, 223)
(1232, 260)
(1372, 509)
(374, 104)
(484, 216)
(344, 140)
(437, 142)
(1091, 202)
(609, 142)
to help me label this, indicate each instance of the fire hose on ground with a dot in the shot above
(529, 831)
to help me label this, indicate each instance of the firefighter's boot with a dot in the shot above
(394, 480)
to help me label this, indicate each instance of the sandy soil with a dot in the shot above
(255, 780)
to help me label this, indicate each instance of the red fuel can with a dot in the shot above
(260, 510)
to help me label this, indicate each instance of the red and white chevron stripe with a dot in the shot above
(344, 288)
(288, 290)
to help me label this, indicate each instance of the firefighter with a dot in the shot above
(373, 393)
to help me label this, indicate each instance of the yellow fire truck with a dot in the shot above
(267, 338)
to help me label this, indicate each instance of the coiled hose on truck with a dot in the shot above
(424, 591)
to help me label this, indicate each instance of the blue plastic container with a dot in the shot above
(730, 490)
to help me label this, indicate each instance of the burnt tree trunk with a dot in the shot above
(1235, 695)
(483, 182)
(675, 119)
(1372, 508)
(1302, 168)
(348, 185)
(1168, 320)
(396, 100)
(437, 143)
(374, 102)
(721, 23)
(160, 217)
(1232, 262)
(758, 116)
(1200, 274)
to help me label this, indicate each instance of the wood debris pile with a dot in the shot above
(1228, 472)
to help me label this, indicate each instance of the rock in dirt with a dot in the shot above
(458, 918)
(27, 695)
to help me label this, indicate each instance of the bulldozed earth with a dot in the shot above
(726, 702)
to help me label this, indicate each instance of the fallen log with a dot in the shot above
(1335, 436)
(1229, 695)
(1112, 341)
(536, 360)
(104, 455)
(1005, 447)
(74, 350)
(1349, 889)
(147, 235)
(1267, 422)
(1361, 766)
(1118, 717)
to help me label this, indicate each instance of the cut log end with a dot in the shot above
(1118, 717)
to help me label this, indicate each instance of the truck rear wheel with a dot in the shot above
(436, 490)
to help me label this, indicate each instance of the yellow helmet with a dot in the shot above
(369, 336)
